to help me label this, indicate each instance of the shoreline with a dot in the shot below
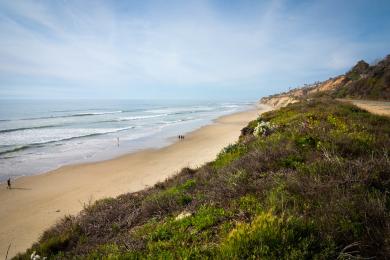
(164, 136)
(37, 202)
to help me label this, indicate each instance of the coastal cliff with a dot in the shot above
(361, 82)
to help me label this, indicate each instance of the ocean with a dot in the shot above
(41, 135)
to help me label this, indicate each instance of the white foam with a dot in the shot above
(42, 136)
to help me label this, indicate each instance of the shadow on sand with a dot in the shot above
(17, 188)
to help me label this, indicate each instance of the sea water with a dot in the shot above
(41, 135)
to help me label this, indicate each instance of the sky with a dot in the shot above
(236, 50)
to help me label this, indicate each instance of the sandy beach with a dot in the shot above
(37, 202)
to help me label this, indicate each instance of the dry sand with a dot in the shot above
(37, 202)
(375, 107)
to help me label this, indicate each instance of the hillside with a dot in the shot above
(301, 183)
(366, 82)
(361, 82)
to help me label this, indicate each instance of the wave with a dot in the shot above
(179, 120)
(230, 106)
(140, 117)
(74, 110)
(182, 110)
(72, 115)
(40, 144)
(15, 149)
(131, 118)
(26, 128)
(96, 113)
(190, 112)
(123, 119)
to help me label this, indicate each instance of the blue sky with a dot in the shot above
(183, 49)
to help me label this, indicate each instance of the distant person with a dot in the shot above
(9, 183)
(117, 141)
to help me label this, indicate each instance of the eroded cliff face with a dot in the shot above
(283, 99)
(363, 81)
(278, 101)
(328, 85)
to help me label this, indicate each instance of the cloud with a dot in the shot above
(92, 44)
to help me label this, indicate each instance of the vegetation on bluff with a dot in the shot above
(363, 81)
(314, 184)
(366, 82)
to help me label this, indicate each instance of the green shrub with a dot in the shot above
(339, 124)
(229, 154)
(172, 197)
(112, 252)
(183, 238)
(54, 244)
(56, 241)
(206, 217)
(250, 204)
(291, 161)
(306, 141)
(271, 237)
(106, 251)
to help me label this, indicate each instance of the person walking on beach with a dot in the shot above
(9, 183)
(117, 141)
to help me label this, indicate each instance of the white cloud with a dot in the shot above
(193, 44)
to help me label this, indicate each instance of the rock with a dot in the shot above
(182, 215)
